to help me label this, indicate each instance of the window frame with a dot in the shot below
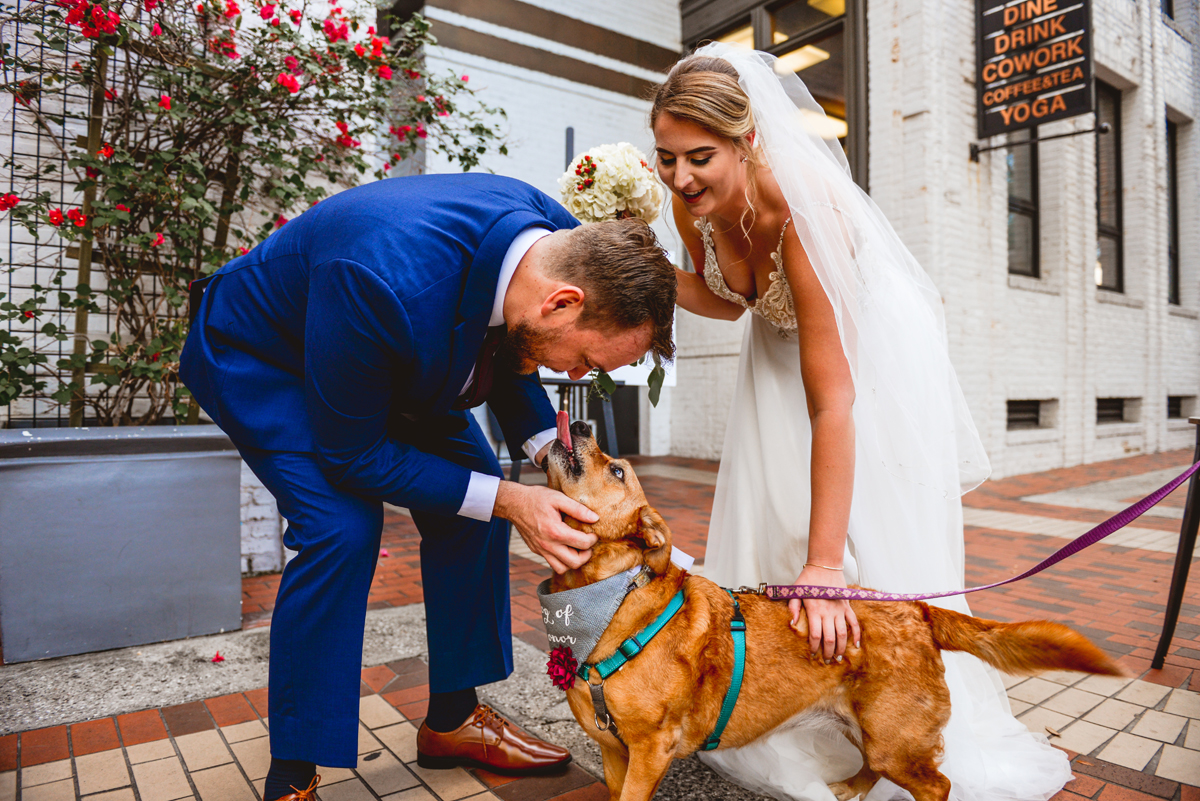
(1027, 208)
(853, 27)
(1114, 233)
(1173, 276)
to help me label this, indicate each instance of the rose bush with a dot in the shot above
(190, 132)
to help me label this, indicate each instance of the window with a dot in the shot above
(1110, 268)
(1118, 410)
(1024, 414)
(1172, 213)
(1181, 407)
(808, 37)
(1023, 234)
(1168, 8)
(821, 41)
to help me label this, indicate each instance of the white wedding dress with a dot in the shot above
(916, 451)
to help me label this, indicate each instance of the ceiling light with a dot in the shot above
(800, 59)
(825, 126)
(742, 37)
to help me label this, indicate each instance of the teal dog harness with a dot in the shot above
(638, 642)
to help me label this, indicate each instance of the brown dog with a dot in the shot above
(889, 694)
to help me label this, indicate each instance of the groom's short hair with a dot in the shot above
(626, 277)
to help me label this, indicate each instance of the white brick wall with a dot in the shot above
(656, 21)
(1012, 338)
(262, 527)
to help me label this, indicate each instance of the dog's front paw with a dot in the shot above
(843, 791)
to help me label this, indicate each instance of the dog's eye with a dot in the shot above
(616, 471)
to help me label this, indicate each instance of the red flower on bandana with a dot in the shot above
(561, 668)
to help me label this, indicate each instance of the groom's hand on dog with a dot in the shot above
(537, 512)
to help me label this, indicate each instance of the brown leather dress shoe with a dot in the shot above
(490, 742)
(308, 794)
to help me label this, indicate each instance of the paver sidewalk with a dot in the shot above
(1129, 740)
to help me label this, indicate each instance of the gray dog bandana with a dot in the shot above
(576, 618)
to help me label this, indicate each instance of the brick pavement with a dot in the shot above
(1130, 740)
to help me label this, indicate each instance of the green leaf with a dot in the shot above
(604, 382)
(655, 382)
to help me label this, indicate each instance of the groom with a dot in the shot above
(342, 356)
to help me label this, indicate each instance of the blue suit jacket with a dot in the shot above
(373, 303)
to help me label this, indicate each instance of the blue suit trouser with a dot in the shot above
(320, 612)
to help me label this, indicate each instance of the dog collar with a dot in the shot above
(576, 619)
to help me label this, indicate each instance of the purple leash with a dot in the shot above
(783, 592)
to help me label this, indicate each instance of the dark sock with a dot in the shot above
(448, 711)
(286, 774)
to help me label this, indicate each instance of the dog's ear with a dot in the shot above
(652, 530)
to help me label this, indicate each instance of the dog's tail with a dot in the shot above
(1019, 648)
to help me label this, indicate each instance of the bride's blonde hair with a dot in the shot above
(705, 90)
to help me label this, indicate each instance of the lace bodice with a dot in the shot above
(775, 305)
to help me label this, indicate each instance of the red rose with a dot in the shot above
(122, 207)
(288, 81)
(296, 14)
(105, 152)
(280, 222)
(158, 240)
(156, 30)
(561, 668)
(231, 9)
(29, 315)
(8, 201)
(266, 12)
(360, 50)
(466, 78)
(244, 250)
(56, 217)
(165, 103)
(385, 72)
(150, 4)
(78, 217)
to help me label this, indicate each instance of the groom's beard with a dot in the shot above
(524, 348)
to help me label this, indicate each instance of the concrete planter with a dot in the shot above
(116, 537)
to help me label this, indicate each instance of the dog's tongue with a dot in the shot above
(564, 429)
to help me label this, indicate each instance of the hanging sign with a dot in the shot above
(1034, 62)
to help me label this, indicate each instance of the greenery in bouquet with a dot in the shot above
(191, 131)
(612, 182)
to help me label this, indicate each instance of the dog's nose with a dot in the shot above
(581, 429)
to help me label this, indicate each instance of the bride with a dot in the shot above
(849, 442)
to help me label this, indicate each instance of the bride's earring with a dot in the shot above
(743, 159)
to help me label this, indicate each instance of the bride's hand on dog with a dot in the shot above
(831, 624)
(537, 512)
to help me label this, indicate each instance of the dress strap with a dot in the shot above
(782, 231)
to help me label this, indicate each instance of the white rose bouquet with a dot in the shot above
(611, 182)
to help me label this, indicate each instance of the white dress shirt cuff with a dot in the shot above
(480, 500)
(539, 441)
